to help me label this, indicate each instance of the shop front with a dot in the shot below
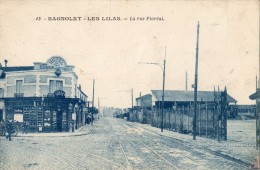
(46, 114)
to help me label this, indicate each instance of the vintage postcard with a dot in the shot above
(129, 84)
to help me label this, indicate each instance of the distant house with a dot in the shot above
(144, 101)
(177, 98)
(244, 110)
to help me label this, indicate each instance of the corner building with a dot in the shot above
(45, 96)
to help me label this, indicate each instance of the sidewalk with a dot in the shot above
(84, 130)
(236, 150)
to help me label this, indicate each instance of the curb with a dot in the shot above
(67, 134)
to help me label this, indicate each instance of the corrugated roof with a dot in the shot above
(184, 96)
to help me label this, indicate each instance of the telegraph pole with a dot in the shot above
(196, 85)
(186, 81)
(164, 62)
(256, 117)
(132, 96)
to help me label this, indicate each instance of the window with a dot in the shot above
(1, 92)
(55, 85)
(19, 86)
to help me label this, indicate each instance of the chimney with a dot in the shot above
(140, 94)
(5, 63)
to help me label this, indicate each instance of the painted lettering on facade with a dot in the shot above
(56, 61)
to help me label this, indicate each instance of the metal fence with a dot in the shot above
(180, 119)
(211, 119)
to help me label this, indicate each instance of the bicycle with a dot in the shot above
(3, 128)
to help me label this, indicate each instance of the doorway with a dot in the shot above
(59, 121)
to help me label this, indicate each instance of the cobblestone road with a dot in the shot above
(113, 144)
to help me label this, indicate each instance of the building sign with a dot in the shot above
(56, 61)
(59, 93)
(18, 117)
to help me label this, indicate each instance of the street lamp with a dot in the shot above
(93, 98)
(162, 66)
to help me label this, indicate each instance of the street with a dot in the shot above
(113, 144)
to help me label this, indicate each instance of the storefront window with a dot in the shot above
(47, 118)
(39, 117)
(33, 117)
(54, 120)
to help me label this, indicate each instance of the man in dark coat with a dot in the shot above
(9, 129)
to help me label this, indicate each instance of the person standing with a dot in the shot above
(9, 129)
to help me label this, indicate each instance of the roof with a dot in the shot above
(147, 95)
(187, 96)
(255, 95)
(19, 68)
(3, 70)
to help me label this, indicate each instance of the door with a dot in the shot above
(59, 120)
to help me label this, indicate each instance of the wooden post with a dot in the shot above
(199, 120)
(196, 85)
(188, 113)
(206, 120)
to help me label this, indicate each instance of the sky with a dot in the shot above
(109, 51)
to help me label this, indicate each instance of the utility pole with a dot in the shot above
(98, 108)
(132, 96)
(162, 66)
(186, 81)
(93, 95)
(256, 117)
(164, 63)
(196, 85)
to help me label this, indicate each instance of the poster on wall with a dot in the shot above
(18, 117)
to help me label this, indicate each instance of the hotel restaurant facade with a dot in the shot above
(46, 96)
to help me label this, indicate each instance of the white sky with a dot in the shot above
(111, 50)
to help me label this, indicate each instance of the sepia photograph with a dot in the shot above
(129, 84)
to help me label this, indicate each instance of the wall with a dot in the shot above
(29, 84)
(36, 83)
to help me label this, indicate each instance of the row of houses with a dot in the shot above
(46, 95)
